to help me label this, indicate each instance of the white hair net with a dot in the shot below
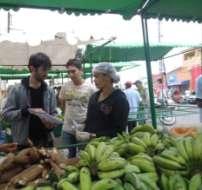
(108, 69)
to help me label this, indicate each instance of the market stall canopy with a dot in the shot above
(175, 9)
(129, 52)
(12, 73)
(186, 10)
(127, 8)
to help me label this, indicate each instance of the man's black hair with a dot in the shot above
(40, 59)
(74, 62)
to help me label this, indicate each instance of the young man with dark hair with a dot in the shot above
(33, 93)
(74, 97)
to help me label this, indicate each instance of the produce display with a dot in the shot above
(144, 159)
(31, 167)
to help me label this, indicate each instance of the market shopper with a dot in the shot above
(33, 93)
(199, 95)
(108, 108)
(144, 103)
(74, 97)
(134, 101)
(142, 91)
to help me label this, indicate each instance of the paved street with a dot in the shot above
(186, 115)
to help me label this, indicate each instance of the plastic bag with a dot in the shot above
(45, 116)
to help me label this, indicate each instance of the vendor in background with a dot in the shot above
(108, 108)
(8, 147)
(32, 92)
(134, 101)
(74, 97)
(144, 105)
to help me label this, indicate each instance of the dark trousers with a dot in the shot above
(69, 139)
(131, 125)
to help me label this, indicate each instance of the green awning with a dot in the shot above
(124, 53)
(4, 76)
(12, 73)
(127, 8)
(186, 10)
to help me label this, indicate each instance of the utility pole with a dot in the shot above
(159, 41)
(9, 22)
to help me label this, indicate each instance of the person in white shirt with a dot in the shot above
(74, 97)
(199, 95)
(134, 101)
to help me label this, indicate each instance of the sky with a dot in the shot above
(32, 25)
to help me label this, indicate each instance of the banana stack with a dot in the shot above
(150, 142)
(81, 179)
(184, 158)
(175, 182)
(142, 139)
(171, 162)
(144, 128)
(144, 162)
(102, 161)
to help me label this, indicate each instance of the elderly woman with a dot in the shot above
(108, 108)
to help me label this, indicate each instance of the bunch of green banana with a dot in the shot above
(91, 155)
(111, 167)
(72, 173)
(120, 143)
(132, 144)
(173, 154)
(151, 142)
(190, 149)
(144, 128)
(133, 181)
(96, 141)
(102, 161)
(144, 162)
(170, 164)
(167, 140)
(173, 182)
(111, 164)
(184, 147)
(196, 149)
